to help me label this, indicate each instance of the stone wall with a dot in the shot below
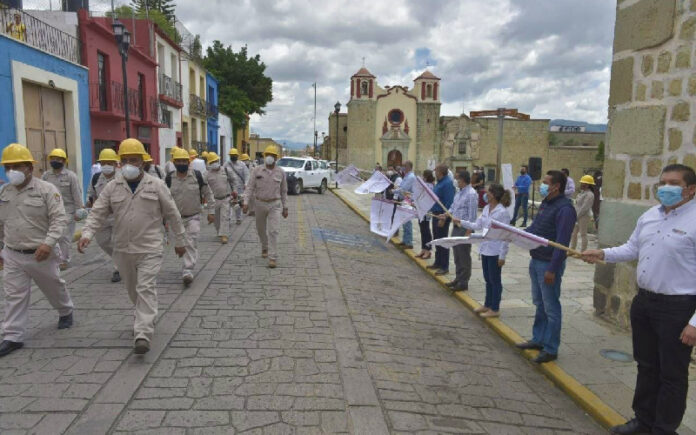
(651, 124)
(427, 134)
(342, 138)
(564, 138)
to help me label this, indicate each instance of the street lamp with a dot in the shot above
(122, 36)
(337, 108)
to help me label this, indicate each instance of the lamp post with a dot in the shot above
(122, 36)
(337, 108)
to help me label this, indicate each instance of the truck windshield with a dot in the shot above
(290, 163)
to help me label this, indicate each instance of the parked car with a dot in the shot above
(304, 173)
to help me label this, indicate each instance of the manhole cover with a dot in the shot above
(616, 355)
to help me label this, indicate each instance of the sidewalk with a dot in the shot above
(584, 335)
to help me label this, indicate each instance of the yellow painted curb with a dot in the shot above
(593, 405)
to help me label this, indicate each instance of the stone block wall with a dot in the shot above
(427, 134)
(361, 129)
(651, 124)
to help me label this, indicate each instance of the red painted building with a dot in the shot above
(106, 97)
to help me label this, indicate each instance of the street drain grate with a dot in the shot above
(616, 355)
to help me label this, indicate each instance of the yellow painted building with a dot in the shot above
(194, 115)
(257, 144)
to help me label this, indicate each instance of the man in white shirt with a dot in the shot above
(662, 313)
(570, 184)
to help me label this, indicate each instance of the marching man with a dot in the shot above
(220, 182)
(240, 175)
(250, 165)
(189, 190)
(151, 168)
(70, 189)
(138, 202)
(32, 219)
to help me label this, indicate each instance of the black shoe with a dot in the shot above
(432, 267)
(64, 322)
(545, 357)
(7, 347)
(452, 284)
(141, 347)
(116, 276)
(529, 345)
(633, 426)
(512, 222)
(460, 289)
(441, 272)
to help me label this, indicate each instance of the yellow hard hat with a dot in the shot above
(58, 152)
(179, 153)
(271, 149)
(108, 155)
(147, 158)
(234, 152)
(244, 157)
(193, 153)
(131, 146)
(16, 153)
(212, 157)
(204, 155)
(587, 179)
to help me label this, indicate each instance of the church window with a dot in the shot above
(429, 91)
(364, 87)
(395, 116)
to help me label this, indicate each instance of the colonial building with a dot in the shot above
(170, 93)
(212, 109)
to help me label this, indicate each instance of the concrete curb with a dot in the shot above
(593, 405)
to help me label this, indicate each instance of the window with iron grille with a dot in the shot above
(100, 145)
(141, 95)
(166, 118)
(101, 75)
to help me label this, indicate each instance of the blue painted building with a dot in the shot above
(45, 100)
(213, 124)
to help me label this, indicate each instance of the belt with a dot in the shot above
(268, 200)
(222, 197)
(190, 216)
(662, 296)
(22, 251)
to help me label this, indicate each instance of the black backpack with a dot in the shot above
(199, 178)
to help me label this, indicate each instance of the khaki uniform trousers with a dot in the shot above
(268, 216)
(238, 207)
(193, 230)
(580, 226)
(66, 239)
(20, 269)
(139, 274)
(222, 216)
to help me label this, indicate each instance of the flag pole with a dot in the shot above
(571, 252)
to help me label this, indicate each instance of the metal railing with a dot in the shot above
(197, 106)
(99, 97)
(169, 87)
(39, 34)
(199, 146)
(212, 110)
(134, 103)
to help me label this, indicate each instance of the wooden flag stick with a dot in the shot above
(571, 252)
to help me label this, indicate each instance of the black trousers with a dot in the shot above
(663, 360)
(441, 254)
(426, 235)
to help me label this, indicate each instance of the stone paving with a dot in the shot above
(584, 334)
(347, 335)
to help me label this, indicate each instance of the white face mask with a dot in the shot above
(108, 169)
(269, 160)
(130, 172)
(215, 166)
(16, 177)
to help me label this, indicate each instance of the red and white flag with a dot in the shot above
(349, 175)
(381, 216)
(378, 182)
(401, 216)
(423, 198)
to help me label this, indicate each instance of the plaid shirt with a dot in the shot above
(465, 205)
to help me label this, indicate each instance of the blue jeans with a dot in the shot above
(521, 199)
(407, 238)
(547, 320)
(494, 284)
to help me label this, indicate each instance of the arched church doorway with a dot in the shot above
(394, 158)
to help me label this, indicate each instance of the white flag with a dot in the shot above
(349, 175)
(508, 184)
(449, 242)
(401, 216)
(516, 236)
(378, 182)
(423, 198)
(380, 216)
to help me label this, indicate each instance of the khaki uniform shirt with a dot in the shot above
(31, 216)
(93, 192)
(583, 203)
(239, 173)
(187, 194)
(69, 187)
(220, 182)
(267, 184)
(138, 215)
(153, 171)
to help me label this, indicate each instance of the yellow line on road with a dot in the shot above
(301, 231)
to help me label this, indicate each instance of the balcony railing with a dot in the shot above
(134, 102)
(197, 106)
(170, 88)
(99, 97)
(199, 146)
(212, 110)
(39, 34)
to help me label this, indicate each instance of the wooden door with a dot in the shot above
(44, 121)
(394, 158)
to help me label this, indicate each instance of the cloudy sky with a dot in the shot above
(549, 58)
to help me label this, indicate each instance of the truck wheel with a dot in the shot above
(298, 187)
(322, 188)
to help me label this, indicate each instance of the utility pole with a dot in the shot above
(315, 120)
(499, 156)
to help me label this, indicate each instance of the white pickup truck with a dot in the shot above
(304, 173)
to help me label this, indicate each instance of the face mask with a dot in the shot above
(522, 172)
(269, 160)
(55, 164)
(16, 177)
(215, 166)
(181, 167)
(234, 158)
(108, 169)
(485, 197)
(544, 190)
(669, 195)
(130, 172)
(390, 173)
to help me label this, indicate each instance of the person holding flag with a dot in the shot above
(405, 189)
(444, 190)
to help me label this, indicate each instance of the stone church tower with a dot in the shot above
(393, 124)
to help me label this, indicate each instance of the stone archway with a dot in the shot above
(394, 158)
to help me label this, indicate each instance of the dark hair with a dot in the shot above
(566, 172)
(688, 174)
(464, 176)
(525, 167)
(408, 164)
(441, 169)
(558, 177)
(500, 194)
(428, 176)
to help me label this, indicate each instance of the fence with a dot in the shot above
(169, 87)
(197, 106)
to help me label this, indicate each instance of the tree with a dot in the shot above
(154, 15)
(165, 7)
(242, 85)
(600, 152)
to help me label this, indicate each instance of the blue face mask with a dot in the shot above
(181, 167)
(485, 197)
(544, 190)
(669, 195)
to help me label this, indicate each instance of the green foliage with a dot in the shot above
(553, 140)
(242, 85)
(154, 15)
(165, 7)
(600, 152)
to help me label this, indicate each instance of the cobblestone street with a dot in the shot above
(346, 335)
